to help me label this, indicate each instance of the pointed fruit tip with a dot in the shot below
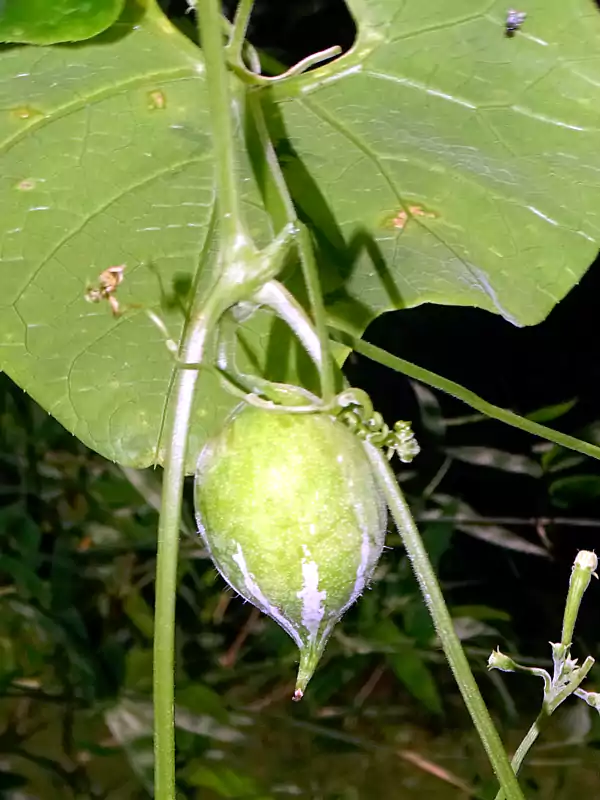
(309, 658)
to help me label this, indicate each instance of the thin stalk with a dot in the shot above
(306, 63)
(284, 212)
(434, 599)
(276, 197)
(461, 393)
(166, 562)
(238, 33)
(219, 102)
(315, 295)
(525, 746)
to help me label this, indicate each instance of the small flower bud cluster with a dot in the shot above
(356, 412)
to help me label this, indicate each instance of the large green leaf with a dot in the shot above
(43, 22)
(442, 161)
(105, 159)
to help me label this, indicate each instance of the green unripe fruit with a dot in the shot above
(288, 507)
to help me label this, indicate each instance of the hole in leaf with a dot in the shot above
(292, 30)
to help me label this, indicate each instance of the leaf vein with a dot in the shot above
(114, 199)
(166, 76)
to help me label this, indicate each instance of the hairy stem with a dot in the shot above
(434, 599)
(166, 563)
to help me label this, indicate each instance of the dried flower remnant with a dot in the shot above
(108, 282)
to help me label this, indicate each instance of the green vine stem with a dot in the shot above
(461, 393)
(256, 79)
(166, 561)
(211, 37)
(443, 623)
(238, 30)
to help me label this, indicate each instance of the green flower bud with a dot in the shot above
(498, 660)
(288, 507)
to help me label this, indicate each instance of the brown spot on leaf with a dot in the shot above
(400, 219)
(157, 99)
(26, 185)
(25, 112)
(419, 211)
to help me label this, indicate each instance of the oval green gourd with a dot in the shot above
(288, 507)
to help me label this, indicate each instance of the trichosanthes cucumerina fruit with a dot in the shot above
(289, 509)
